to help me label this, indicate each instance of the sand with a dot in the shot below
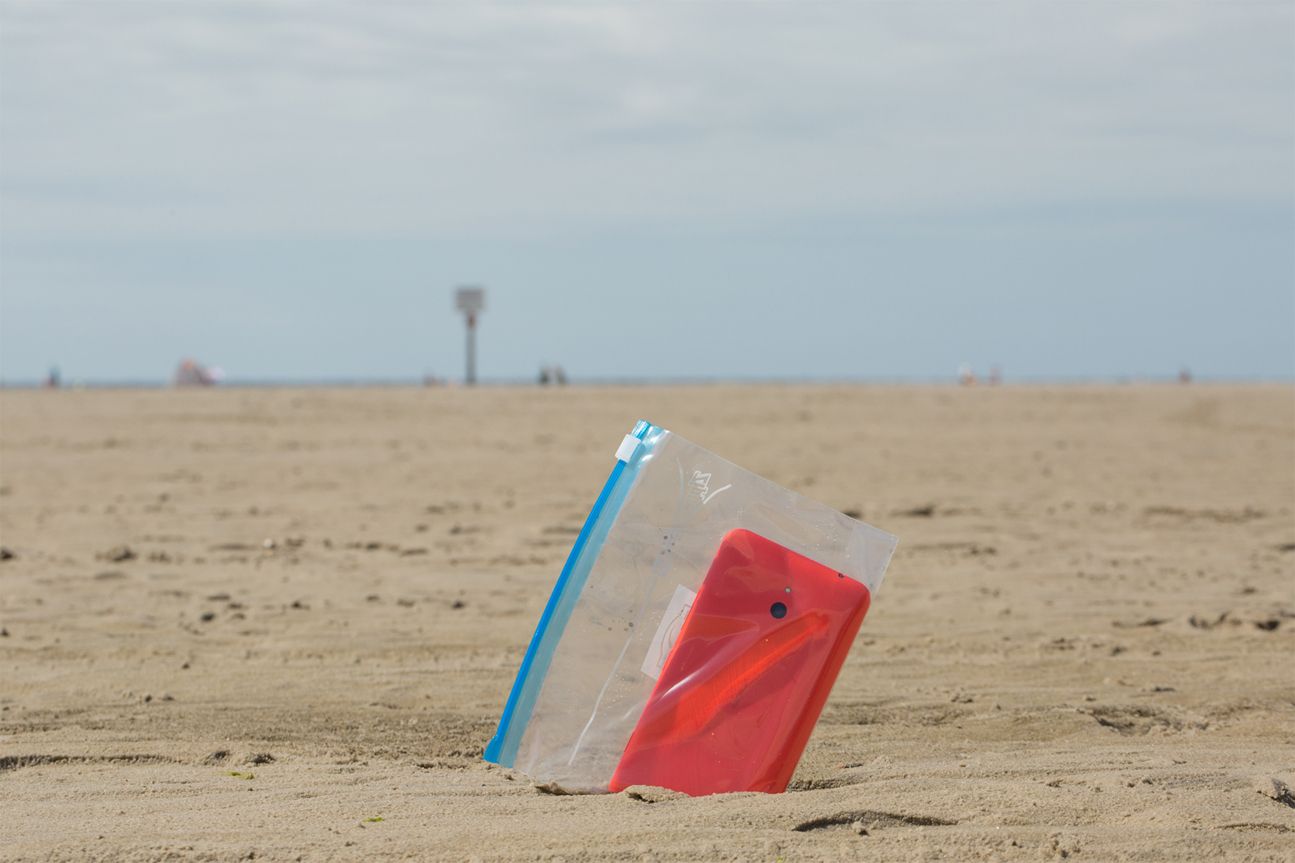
(282, 623)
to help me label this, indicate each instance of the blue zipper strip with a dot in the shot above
(502, 748)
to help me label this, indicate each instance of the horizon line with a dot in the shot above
(270, 382)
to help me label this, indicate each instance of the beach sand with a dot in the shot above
(254, 621)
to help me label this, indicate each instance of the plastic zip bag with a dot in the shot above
(695, 631)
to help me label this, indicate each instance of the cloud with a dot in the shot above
(372, 117)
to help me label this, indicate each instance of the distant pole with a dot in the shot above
(471, 301)
(471, 376)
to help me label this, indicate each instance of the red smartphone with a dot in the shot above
(749, 672)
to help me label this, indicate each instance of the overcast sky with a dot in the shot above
(292, 190)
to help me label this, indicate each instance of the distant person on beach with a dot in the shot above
(966, 377)
(1184, 375)
(552, 374)
(53, 380)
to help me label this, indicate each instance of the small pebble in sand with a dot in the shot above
(6, 553)
(1276, 788)
(118, 553)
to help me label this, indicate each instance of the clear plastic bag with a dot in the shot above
(695, 631)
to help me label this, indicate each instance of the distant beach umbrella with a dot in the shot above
(191, 373)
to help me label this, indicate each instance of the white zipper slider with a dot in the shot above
(626, 450)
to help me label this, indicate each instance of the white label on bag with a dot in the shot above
(668, 631)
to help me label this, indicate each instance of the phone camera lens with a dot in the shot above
(778, 610)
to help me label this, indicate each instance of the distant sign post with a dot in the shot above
(471, 302)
